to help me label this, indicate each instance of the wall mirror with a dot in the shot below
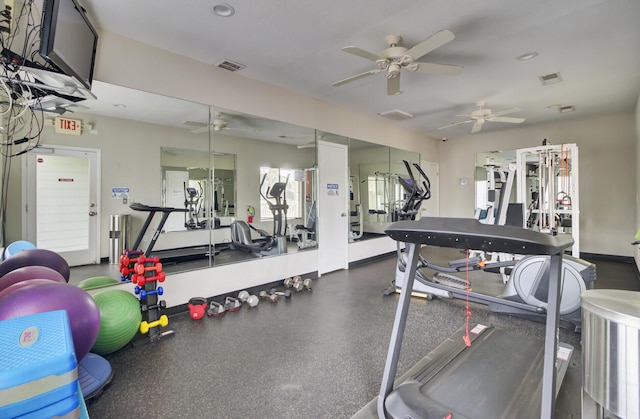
(222, 154)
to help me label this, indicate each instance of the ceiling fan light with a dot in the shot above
(394, 71)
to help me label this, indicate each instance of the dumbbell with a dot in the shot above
(298, 285)
(144, 293)
(308, 283)
(285, 294)
(160, 306)
(216, 309)
(232, 304)
(141, 279)
(250, 299)
(145, 325)
(271, 297)
(288, 282)
(141, 268)
(145, 259)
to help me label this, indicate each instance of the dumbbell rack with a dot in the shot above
(148, 272)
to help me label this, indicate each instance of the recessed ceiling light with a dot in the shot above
(120, 105)
(527, 56)
(223, 9)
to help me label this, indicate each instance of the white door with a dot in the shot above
(430, 207)
(62, 193)
(333, 207)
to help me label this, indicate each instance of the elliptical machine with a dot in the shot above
(526, 289)
(274, 244)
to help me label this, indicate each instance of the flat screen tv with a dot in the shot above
(68, 41)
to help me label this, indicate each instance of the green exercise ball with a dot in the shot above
(97, 282)
(120, 319)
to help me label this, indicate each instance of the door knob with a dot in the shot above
(344, 214)
(92, 213)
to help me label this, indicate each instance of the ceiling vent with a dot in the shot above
(551, 78)
(230, 65)
(396, 115)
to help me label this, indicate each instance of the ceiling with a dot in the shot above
(593, 44)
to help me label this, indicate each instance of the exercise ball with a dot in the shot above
(19, 285)
(97, 282)
(36, 257)
(30, 272)
(119, 320)
(16, 247)
(84, 316)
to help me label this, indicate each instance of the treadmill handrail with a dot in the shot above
(469, 233)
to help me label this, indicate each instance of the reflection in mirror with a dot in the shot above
(273, 210)
(494, 177)
(376, 195)
(220, 180)
(186, 183)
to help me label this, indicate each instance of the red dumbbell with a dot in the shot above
(152, 259)
(141, 279)
(141, 269)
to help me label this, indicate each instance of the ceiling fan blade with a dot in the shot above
(456, 123)
(506, 119)
(362, 53)
(393, 85)
(477, 126)
(506, 111)
(356, 77)
(446, 69)
(434, 41)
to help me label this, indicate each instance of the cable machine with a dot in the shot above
(548, 181)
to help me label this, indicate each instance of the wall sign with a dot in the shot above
(332, 188)
(119, 193)
(68, 126)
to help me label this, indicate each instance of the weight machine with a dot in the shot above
(549, 175)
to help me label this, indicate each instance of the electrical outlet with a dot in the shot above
(124, 201)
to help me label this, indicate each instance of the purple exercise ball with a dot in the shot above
(19, 285)
(30, 272)
(36, 257)
(84, 315)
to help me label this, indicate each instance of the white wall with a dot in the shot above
(608, 182)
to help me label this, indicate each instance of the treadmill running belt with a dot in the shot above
(501, 378)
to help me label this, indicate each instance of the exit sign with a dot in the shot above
(68, 126)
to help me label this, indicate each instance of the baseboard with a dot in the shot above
(371, 259)
(609, 258)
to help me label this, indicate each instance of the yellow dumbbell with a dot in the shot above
(162, 322)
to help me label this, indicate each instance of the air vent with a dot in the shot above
(551, 78)
(396, 115)
(230, 65)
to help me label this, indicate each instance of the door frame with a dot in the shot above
(29, 194)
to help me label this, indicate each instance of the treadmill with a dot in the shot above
(501, 374)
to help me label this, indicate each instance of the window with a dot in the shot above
(292, 193)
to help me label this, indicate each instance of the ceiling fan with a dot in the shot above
(218, 124)
(397, 57)
(482, 115)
